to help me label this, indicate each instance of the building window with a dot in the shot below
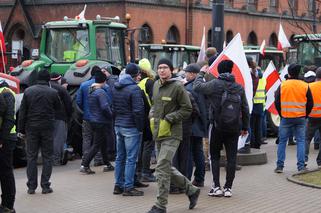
(229, 36)
(145, 35)
(252, 39)
(274, 4)
(310, 7)
(252, 5)
(273, 41)
(228, 3)
(172, 36)
(293, 4)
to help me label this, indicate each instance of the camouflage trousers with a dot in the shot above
(166, 174)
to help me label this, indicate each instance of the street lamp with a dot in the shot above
(218, 24)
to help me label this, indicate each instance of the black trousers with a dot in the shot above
(99, 143)
(182, 157)
(229, 140)
(256, 129)
(145, 153)
(43, 140)
(7, 181)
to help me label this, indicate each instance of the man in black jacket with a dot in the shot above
(62, 117)
(36, 121)
(7, 144)
(219, 136)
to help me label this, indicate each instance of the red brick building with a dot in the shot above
(176, 21)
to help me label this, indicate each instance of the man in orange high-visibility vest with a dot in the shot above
(294, 102)
(314, 121)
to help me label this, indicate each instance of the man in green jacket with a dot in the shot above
(171, 105)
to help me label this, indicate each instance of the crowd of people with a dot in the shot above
(184, 119)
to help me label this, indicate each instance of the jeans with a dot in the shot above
(7, 181)
(313, 127)
(285, 129)
(128, 143)
(100, 143)
(43, 140)
(230, 141)
(197, 156)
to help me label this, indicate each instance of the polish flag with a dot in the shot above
(201, 55)
(283, 41)
(284, 72)
(3, 57)
(273, 82)
(81, 15)
(235, 52)
(262, 48)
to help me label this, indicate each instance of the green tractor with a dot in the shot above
(72, 47)
(271, 53)
(180, 55)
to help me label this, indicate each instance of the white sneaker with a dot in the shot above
(227, 192)
(215, 192)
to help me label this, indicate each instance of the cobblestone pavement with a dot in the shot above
(256, 189)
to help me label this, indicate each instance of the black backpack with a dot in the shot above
(228, 115)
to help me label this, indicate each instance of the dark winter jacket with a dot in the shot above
(99, 107)
(82, 97)
(38, 106)
(7, 115)
(214, 90)
(199, 128)
(128, 104)
(65, 111)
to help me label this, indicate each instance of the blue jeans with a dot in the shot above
(287, 125)
(128, 143)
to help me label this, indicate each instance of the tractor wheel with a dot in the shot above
(273, 123)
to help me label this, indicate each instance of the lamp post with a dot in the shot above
(218, 24)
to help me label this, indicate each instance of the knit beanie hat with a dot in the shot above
(44, 75)
(55, 76)
(225, 66)
(194, 68)
(94, 70)
(132, 69)
(167, 62)
(100, 77)
(145, 65)
(294, 70)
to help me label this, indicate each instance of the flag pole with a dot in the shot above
(2, 56)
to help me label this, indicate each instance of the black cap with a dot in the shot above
(100, 77)
(167, 62)
(55, 76)
(44, 75)
(225, 66)
(194, 68)
(94, 70)
(132, 69)
(294, 70)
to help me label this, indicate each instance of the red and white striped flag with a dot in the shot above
(3, 57)
(284, 72)
(235, 52)
(81, 15)
(273, 82)
(262, 48)
(283, 41)
(201, 55)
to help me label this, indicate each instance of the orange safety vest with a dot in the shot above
(293, 98)
(315, 88)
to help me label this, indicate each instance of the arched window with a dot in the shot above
(252, 39)
(172, 36)
(209, 38)
(273, 41)
(145, 35)
(229, 36)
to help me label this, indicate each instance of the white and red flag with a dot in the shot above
(284, 72)
(81, 15)
(273, 82)
(3, 57)
(283, 41)
(201, 55)
(235, 52)
(262, 48)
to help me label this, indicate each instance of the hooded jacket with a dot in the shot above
(214, 90)
(171, 105)
(128, 104)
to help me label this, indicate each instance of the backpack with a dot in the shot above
(228, 115)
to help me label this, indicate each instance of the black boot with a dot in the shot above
(155, 209)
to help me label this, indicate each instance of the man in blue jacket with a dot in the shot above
(100, 121)
(128, 108)
(82, 102)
